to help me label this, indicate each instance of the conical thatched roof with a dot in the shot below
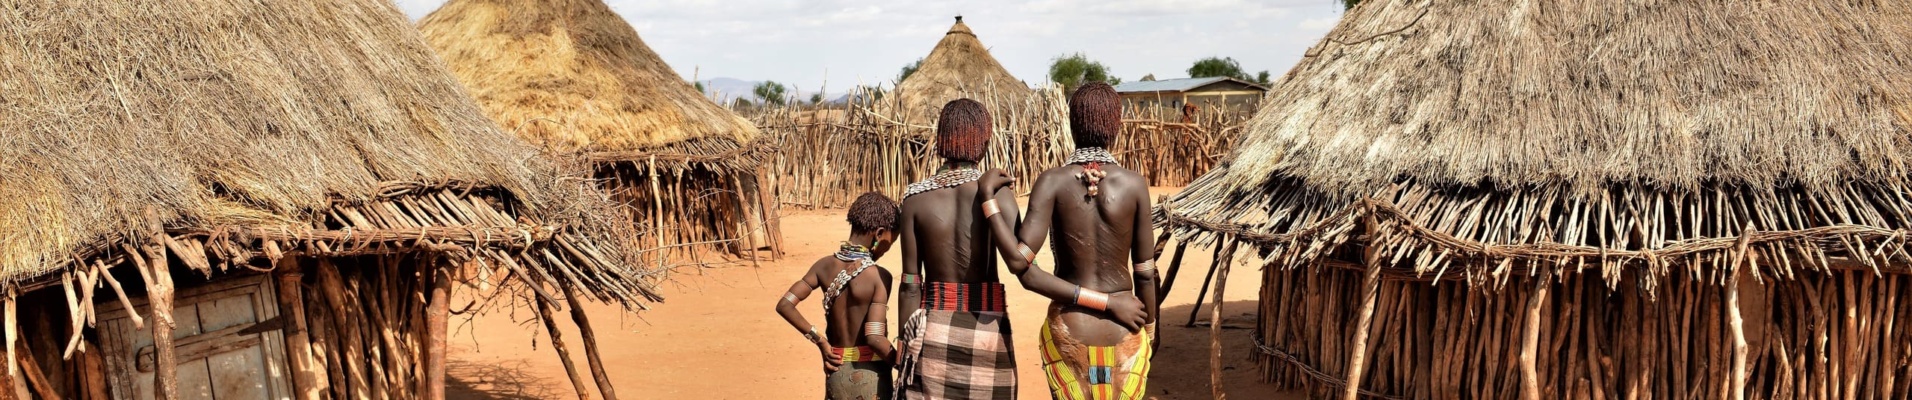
(572, 75)
(1623, 132)
(960, 66)
(121, 119)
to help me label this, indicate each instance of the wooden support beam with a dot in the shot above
(598, 372)
(1174, 267)
(1530, 336)
(159, 295)
(437, 315)
(1370, 288)
(36, 379)
(1200, 295)
(1215, 320)
(308, 376)
(557, 343)
(1736, 323)
(349, 333)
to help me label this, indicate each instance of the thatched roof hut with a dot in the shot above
(209, 153)
(1614, 197)
(573, 76)
(959, 67)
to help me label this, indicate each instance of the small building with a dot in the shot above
(1202, 92)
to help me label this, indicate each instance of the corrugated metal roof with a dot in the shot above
(1166, 85)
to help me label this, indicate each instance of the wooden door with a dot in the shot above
(227, 337)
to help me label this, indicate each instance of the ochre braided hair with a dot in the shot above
(962, 132)
(1095, 115)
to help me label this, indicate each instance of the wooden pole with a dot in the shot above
(7, 391)
(308, 377)
(1174, 266)
(1530, 336)
(1201, 294)
(590, 342)
(1735, 322)
(437, 311)
(1370, 287)
(36, 380)
(1215, 321)
(159, 293)
(557, 343)
(351, 348)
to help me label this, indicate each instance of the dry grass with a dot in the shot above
(959, 65)
(1691, 181)
(573, 76)
(124, 121)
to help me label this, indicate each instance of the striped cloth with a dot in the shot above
(856, 354)
(958, 345)
(1082, 372)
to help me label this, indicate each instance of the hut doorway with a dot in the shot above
(228, 340)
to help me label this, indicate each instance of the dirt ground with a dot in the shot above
(717, 336)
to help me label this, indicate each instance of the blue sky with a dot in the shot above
(805, 42)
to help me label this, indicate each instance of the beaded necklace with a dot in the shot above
(848, 252)
(948, 176)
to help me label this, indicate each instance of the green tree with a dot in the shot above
(909, 70)
(700, 88)
(1349, 4)
(816, 99)
(1076, 69)
(771, 93)
(1226, 67)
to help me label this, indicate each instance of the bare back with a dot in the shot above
(850, 310)
(1093, 238)
(944, 232)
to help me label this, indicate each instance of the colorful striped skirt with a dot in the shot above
(1082, 372)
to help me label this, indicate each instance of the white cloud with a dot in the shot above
(795, 41)
(1319, 24)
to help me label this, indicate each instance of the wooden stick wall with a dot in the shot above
(1830, 335)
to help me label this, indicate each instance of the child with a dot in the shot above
(854, 344)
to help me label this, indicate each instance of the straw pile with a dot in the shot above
(574, 77)
(1616, 199)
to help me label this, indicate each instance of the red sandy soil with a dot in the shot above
(717, 336)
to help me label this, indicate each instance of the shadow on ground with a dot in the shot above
(1182, 363)
(508, 380)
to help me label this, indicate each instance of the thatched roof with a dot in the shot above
(960, 66)
(255, 120)
(1630, 132)
(572, 75)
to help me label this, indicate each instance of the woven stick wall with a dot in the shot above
(829, 154)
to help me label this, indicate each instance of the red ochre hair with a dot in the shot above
(1095, 115)
(872, 210)
(962, 132)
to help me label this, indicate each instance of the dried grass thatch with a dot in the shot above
(231, 130)
(573, 76)
(959, 64)
(1676, 156)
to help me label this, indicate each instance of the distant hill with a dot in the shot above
(727, 89)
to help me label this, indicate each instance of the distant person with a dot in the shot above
(1188, 113)
(1097, 340)
(956, 338)
(855, 345)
